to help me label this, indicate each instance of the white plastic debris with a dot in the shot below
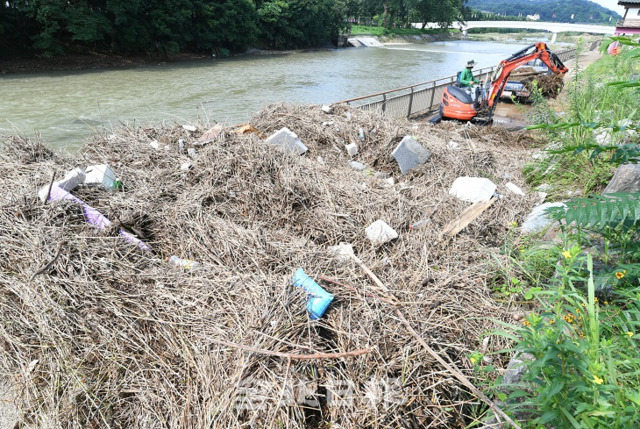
(192, 153)
(327, 109)
(352, 149)
(102, 175)
(343, 251)
(154, 144)
(189, 127)
(391, 181)
(453, 145)
(379, 233)
(357, 165)
(514, 188)
(321, 160)
(472, 189)
(288, 140)
(71, 180)
(186, 166)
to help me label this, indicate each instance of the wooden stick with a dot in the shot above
(53, 177)
(466, 217)
(50, 263)
(292, 355)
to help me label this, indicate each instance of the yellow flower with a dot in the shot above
(597, 379)
(566, 254)
(526, 323)
(630, 334)
(620, 274)
(473, 360)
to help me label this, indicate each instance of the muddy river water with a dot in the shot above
(66, 107)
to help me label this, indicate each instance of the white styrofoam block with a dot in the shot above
(379, 233)
(343, 251)
(189, 127)
(154, 144)
(352, 149)
(472, 189)
(326, 108)
(101, 174)
(71, 180)
(357, 165)
(514, 188)
(288, 140)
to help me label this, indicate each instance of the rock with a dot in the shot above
(8, 410)
(357, 165)
(211, 134)
(352, 149)
(473, 189)
(514, 188)
(288, 140)
(189, 127)
(626, 179)
(379, 233)
(410, 154)
(537, 219)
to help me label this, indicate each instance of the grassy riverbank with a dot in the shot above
(580, 338)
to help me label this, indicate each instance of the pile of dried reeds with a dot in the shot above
(99, 334)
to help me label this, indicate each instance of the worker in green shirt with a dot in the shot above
(466, 75)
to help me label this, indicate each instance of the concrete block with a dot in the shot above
(537, 219)
(288, 140)
(410, 154)
(473, 189)
(379, 233)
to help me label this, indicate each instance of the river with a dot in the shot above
(66, 107)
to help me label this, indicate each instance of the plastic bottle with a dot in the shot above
(318, 299)
(187, 264)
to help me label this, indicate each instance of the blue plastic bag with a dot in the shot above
(318, 299)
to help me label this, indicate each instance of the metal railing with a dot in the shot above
(422, 97)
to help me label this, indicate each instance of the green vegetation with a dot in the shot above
(582, 11)
(381, 31)
(582, 333)
(166, 27)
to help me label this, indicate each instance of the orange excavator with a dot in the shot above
(458, 103)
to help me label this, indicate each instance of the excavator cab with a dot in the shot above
(456, 103)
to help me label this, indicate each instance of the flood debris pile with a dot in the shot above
(98, 332)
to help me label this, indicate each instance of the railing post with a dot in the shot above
(384, 102)
(433, 94)
(410, 103)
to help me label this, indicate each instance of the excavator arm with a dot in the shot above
(501, 75)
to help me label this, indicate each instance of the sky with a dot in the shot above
(610, 4)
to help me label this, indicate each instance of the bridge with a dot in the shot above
(553, 27)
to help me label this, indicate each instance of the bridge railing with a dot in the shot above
(419, 98)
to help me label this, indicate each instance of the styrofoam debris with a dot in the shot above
(357, 165)
(379, 233)
(352, 149)
(154, 144)
(472, 189)
(288, 140)
(327, 109)
(103, 175)
(343, 251)
(71, 180)
(514, 188)
(185, 166)
(390, 180)
(189, 127)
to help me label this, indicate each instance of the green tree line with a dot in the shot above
(579, 11)
(166, 27)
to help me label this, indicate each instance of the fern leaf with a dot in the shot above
(598, 211)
